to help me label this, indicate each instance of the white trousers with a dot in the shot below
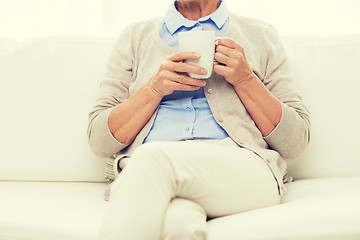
(168, 189)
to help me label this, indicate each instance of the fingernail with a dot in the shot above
(217, 42)
(203, 71)
(197, 55)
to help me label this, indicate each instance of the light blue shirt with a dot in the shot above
(185, 115)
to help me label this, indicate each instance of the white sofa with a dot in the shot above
(51, 184)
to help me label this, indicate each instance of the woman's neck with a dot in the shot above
(195, 9)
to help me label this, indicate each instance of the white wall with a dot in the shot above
(317, 17)
(23, 19)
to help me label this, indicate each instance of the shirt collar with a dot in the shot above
(174, 20)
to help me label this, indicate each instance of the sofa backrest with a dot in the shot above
(49, 85)
(326, 72)
(47, 89)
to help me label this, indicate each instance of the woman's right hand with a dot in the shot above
(172, 76)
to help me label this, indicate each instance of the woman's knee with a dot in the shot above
(150, 161)
(185, 220)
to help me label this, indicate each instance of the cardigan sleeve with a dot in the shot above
(114, 89)
(292, 134)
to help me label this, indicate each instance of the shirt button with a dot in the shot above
(210, 91)
(220, 119)
(188, 108)
(268, 160)
(187, 128)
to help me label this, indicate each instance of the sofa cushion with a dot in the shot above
(7, 45)
(49, 210)
(326, 72)
(321, 209)
(47, 89)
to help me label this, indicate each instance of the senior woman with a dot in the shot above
(191, 149)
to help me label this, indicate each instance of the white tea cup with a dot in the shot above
(202, 42)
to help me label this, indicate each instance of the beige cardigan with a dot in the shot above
(138, 54)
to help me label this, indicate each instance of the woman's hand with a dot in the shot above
(235, 68)
(171, 74)
(264, 108)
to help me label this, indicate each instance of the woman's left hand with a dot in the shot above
(264, 108)
(235, 68)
